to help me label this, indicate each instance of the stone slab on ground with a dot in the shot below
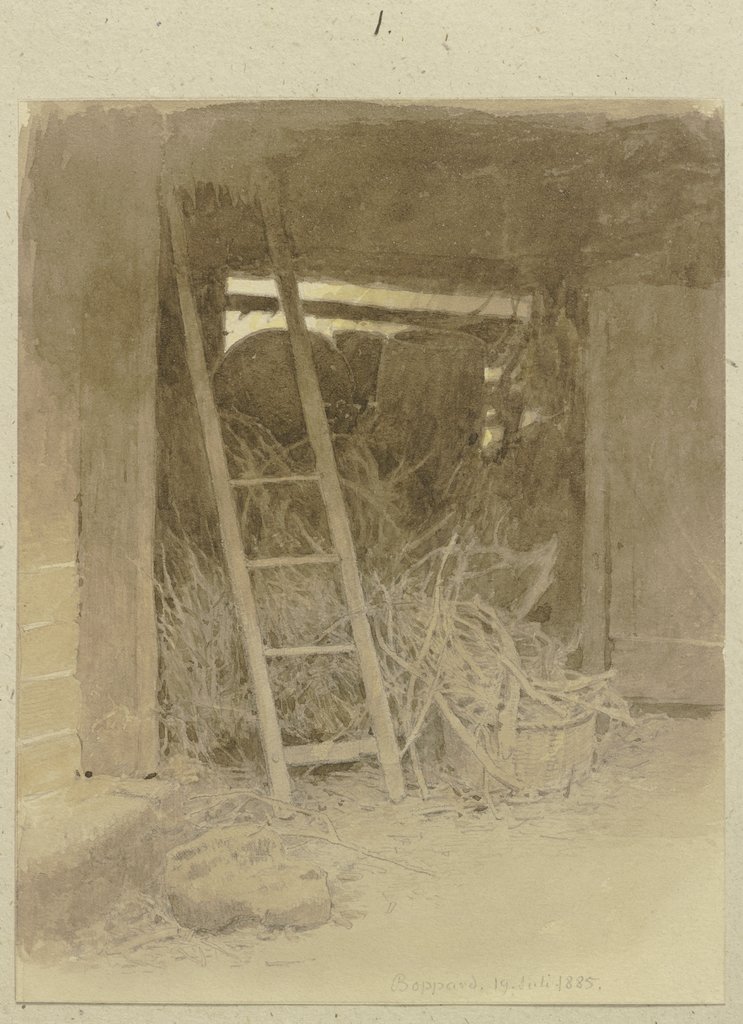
(240, 875)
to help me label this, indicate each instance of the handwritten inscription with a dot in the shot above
(538, 985)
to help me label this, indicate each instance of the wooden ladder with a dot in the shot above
(383, 744)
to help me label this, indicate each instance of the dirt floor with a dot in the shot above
(612, 893)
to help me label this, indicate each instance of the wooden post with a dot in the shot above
(596, 516)
(103, 312)
(148, 754)
(232, 544)
(330, 487)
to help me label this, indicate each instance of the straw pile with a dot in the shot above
(449, 614)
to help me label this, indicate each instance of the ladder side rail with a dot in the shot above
(330, 487)
(229, 527)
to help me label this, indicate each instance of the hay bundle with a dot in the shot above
(256, 377)
(429, 406)
(442, 643)
(443, 646)
(362, 351)
(207, 704)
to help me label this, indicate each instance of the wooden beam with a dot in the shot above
(338, 752)
(596, 552)
(259, 481)
(418, 271)
(282, 561)
(229, 527)
(308, 650)
(334, 310)
(330, 488)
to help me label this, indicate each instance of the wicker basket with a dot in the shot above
(544, 758)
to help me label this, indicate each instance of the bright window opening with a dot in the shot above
(383, 296)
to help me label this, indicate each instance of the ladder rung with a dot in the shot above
(298, 652)
(257, 481)
(276, 563)
(331, 752)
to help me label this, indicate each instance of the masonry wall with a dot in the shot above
(48, 584)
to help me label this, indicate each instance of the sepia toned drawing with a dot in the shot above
(371, 553)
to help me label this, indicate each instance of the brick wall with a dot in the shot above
(48, 705)
(49, 691)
